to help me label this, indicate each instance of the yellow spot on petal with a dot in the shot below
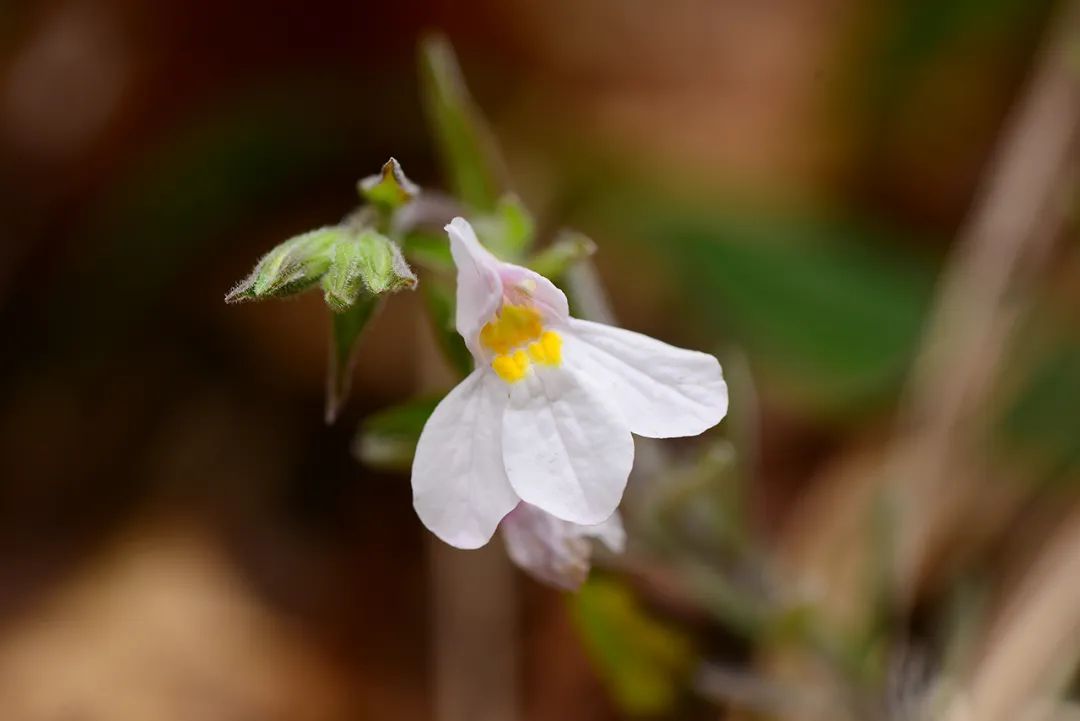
(547, 350)
(514, 326)
(511, 367)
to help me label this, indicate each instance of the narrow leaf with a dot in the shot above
(439, 299)
(346, 329)
(568, 248)
(643, 661)
(508, 231)
(464, 142)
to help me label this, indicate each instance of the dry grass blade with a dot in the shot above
(1035, 643)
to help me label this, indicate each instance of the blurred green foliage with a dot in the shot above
(643, 662)
(508, 230)
(1042, 420)
(439, 299)
(832, 308)
(916, 32)
(387, 439)
(210, 177)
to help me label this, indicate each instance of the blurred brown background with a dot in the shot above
(180, 535)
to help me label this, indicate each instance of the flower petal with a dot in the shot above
(543, 546)
(566, 449)
(554, 551)
(662, 391)
(479, 285)
(460, 489)
(536, 290)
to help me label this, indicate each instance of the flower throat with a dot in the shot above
(517, 338)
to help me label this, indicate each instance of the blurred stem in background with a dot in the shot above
(475, 666)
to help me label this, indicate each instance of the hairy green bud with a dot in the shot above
(365, 261)
(292, 267)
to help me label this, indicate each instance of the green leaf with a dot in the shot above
(430, 250)
(387, 440)
(568, 248)
(833, 309)
(346, 330)
(642, 661)
(292, 267)
(390, 189)
(464, 142)
(508, 231)
(440, 302)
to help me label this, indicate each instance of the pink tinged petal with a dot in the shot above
(479, 285)
(541, 545)
(460, 489)
(661, 390)
(555, 551)
(531, 288)
(566, 449)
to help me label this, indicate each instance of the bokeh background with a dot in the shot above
(818, 192)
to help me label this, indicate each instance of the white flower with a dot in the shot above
(554, 551)
(546, 417)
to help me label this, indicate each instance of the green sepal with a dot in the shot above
(364, 260)
(387, 440)
(389, 189)
(292, 267)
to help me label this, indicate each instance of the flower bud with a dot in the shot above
(291, 267)
(390, 189)
(365, 261)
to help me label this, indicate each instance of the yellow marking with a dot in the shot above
(511, 367)
(547, 350)
(514, 326)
